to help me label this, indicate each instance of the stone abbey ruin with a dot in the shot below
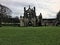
(28, 19)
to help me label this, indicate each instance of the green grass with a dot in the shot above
(30, 35)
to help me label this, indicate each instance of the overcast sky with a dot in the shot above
(48, 8)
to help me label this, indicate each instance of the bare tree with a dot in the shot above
(5, 13)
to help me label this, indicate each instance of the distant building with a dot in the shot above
(30, 19)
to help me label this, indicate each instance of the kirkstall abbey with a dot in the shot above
(30, 19)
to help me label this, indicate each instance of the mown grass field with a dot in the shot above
(30, 35)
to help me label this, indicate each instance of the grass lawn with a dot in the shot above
(30, 35)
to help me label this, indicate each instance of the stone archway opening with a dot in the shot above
(29, 23)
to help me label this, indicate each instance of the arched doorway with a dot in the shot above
(29, 23)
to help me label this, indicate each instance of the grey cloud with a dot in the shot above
(18, 4)
(17, 7)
